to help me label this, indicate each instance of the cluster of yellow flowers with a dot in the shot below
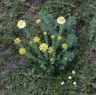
(43, 46)
(21, 51)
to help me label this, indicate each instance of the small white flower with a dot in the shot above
(70, 77)
(61, 20)
(73, 72)
(74, 83)
(21, 24)
(62, 83)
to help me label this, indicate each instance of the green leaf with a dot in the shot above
(70, 24)
(71, 39)
(43, 67)
(47, 22)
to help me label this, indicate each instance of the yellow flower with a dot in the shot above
(50, 49)
(36, 39)
(52, 36)
(43, 47)
(22, 51)
(38, 21)
(17, 40)
(21, 24)
(64, 46)
(61, 20)
(59, 37)
(44, 33)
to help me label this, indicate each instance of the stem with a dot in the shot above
(59, 34)
(38, 76)
(61, 53)
(39, 53)
(46, 40)
(28, 33)
(60, 31)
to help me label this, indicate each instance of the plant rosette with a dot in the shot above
(50, 49)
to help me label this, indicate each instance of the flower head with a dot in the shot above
(21, 24)
(73, 72)
(62, 83)
(50, 49)
(64, 46)
(59, 37)
(61, 20)
(44, 33)
(52, 36)
(22, 51)
(30, 42)
(70, 77)
(43, 47)
(36, 39)
(17, 40)
(38, 21)
(75, 83)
